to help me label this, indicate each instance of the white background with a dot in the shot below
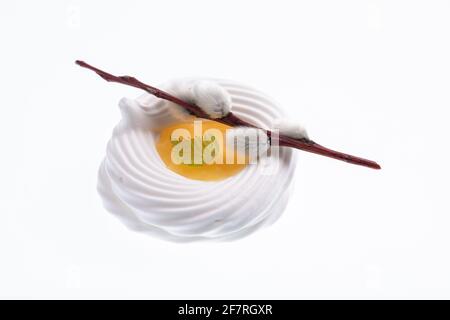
(367, 77)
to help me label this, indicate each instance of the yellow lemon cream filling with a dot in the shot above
(197, 150)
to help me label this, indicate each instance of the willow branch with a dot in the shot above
(232, 120)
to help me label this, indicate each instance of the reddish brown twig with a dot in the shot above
(232, 120)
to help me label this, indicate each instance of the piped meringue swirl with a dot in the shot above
(137, 187)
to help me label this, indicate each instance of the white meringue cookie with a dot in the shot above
(136, 186)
